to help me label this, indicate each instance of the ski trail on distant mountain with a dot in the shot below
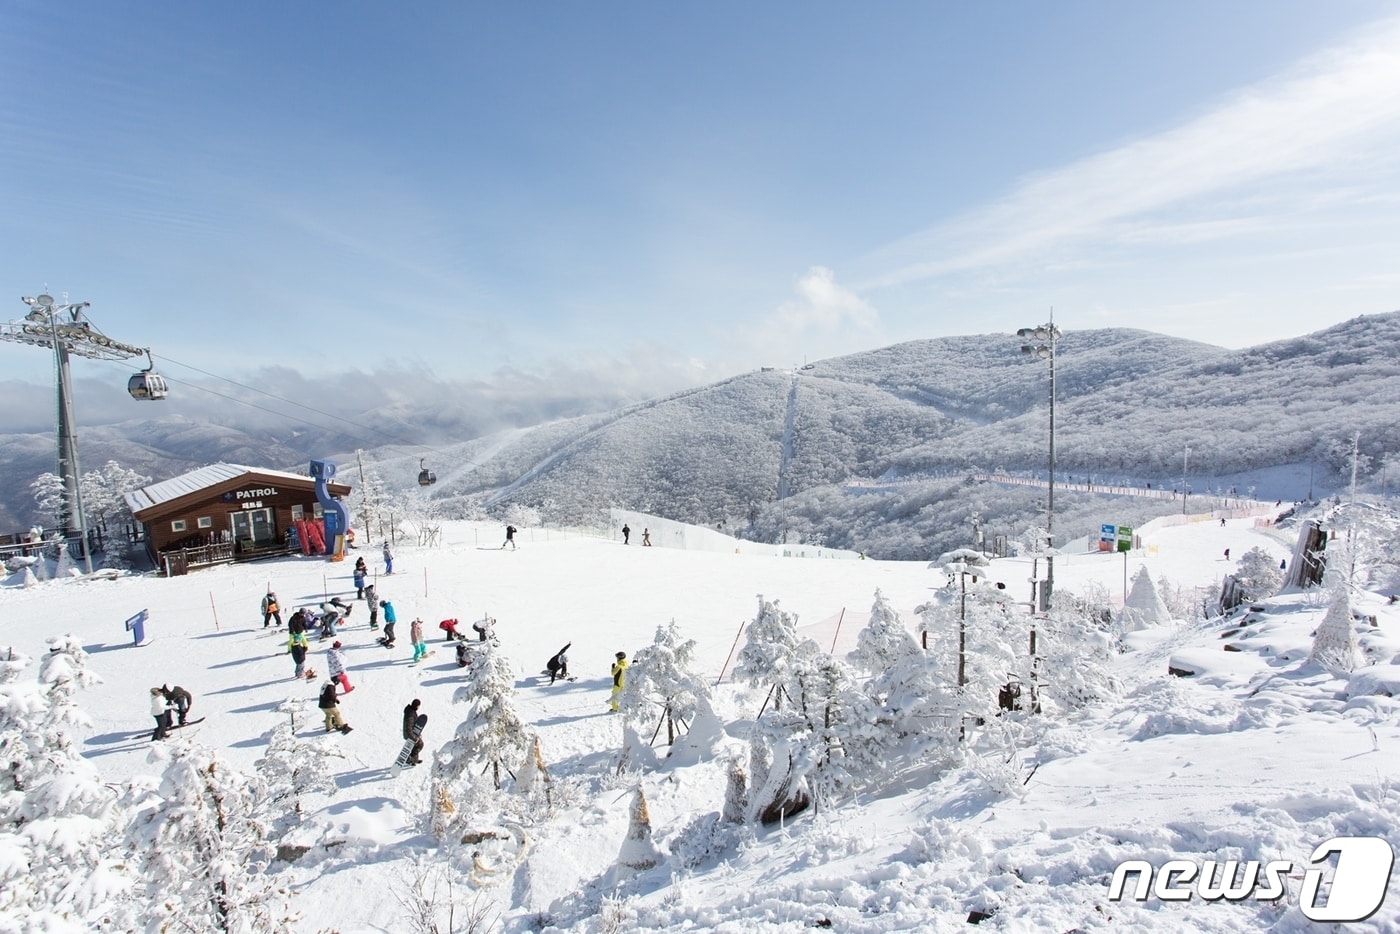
(786, 457)
(503, 493)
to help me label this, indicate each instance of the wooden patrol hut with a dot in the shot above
(223, 513)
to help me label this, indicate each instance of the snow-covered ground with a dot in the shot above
(1261, 755)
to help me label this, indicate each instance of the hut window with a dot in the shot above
(177, 525)
(205, 522)
(316, 510)
(296, 513)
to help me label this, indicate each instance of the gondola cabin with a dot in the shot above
(425, 476)
(148, 384)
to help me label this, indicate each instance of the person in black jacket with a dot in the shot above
(180, 699)
(410, 719)
(558, 664)
(328, 704)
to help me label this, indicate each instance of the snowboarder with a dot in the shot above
(1227, 554)
(510, 538)
(360, 573)
(271, 610)
(387, 640)
(1222, 522)
(415, 635)
(411, 732)
(160, 709)
(296, 625)
(558, 664)
(626, 533)
(463, 654)
(390, 615)
(298, 651)
(619, 676)
(483, 628)
(372, 601)
(646, 537)
(388, 560)
(335, 667)
(333, 611)
(449, 626)
(180, 699)
(329, 705)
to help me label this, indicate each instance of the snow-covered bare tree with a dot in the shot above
(1257, 575)
(663, 688)
(59, 870)
(294, 767)
(1075, 660)
(376, 506)
(768, 656)
(492, 734)
(203, 850)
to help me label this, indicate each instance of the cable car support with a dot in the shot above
(64, 328)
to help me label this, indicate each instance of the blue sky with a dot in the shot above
(654, 195)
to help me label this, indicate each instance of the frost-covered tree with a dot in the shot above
(294, 767)
(1143, 609)
(1334, 643)
(376, 507)
(59, 870)
(203, 850)
(1257, 574)
(48, 496)
(768, 657)
(905, 683)
(1075, 660)
(662, 686)
(492, 733)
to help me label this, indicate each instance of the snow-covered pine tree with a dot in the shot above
(59, 870)
(767, 658)
(1334, 643)
(905, 683)
(203, 849)
(1143, 609)
(1074, 661)
(662, 688)
(492, 733)
(294, 767)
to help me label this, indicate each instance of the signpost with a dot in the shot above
(136, 625)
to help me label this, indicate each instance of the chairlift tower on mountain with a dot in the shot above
(63, 327)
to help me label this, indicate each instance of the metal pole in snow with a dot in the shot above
(425, 583)
(838, 630)
(215, 611)
(731, 652)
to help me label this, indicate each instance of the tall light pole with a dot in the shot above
(1185, 458)
(63, 327)
(1045, 337)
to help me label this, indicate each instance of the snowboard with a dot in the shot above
(176, 726)
(407, 752)
(546, 673)
(431, 653)
(346, 729)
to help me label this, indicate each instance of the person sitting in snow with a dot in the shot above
(463, 654)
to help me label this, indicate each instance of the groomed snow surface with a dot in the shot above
(1259, 756)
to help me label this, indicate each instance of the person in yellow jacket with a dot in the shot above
(619, 673)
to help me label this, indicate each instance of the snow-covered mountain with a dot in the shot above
(871, 451)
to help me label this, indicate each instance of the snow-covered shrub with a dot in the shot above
(1334, 643)
(1257, 575)
(492, 734)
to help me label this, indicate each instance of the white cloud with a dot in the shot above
(825, 316)
(1330, 122)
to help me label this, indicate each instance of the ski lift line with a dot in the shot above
(299, 405)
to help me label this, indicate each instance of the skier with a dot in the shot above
(619, 676)
(626, 533)
(483, 628)
(360, 573)
(271, 610)
(510, 538)
(410, 717)
(449, 626)
(372, 601)
(335, 667)
(298, 651)
(160, 709)
(415, 635)
(1227, 554)
(181, 699)
(558, 664)
(388, 560)
(329, 704)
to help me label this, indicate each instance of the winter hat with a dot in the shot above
(415, 703)
(335, 645)
(621, 655)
